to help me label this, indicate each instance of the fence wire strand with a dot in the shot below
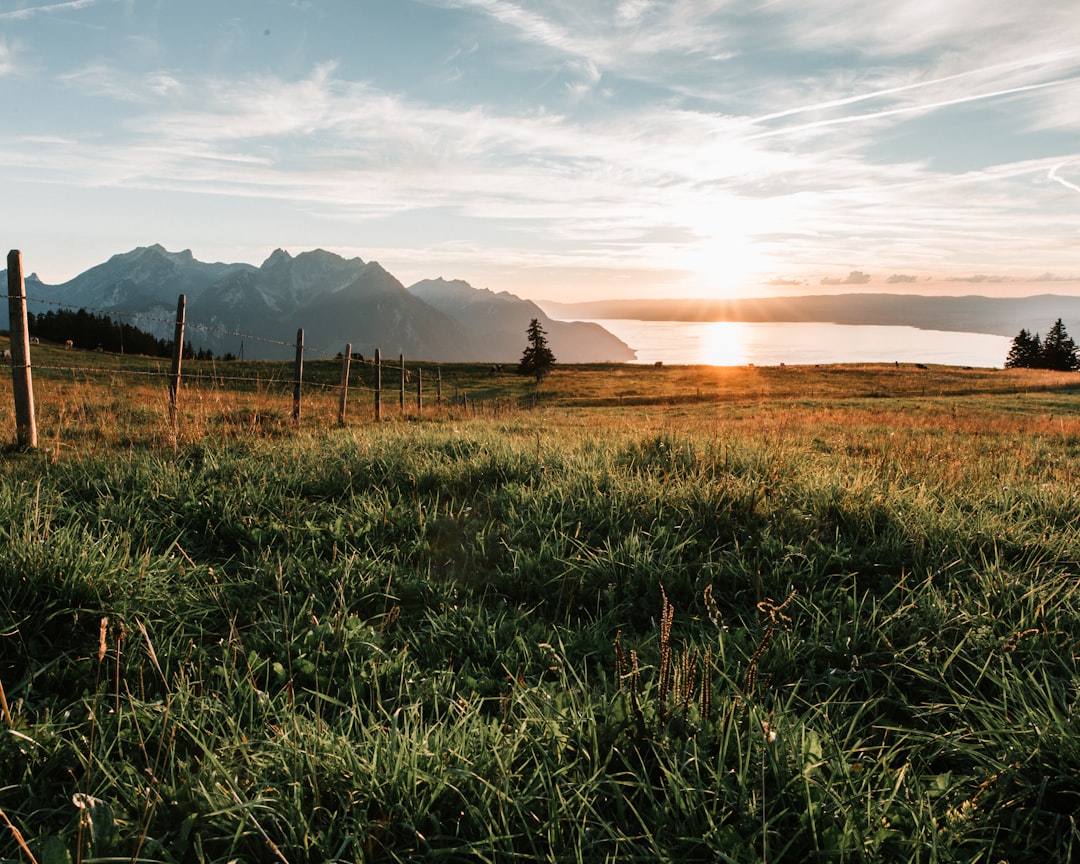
(203, 378)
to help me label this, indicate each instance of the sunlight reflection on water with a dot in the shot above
(732, 343)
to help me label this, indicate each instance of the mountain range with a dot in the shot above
(256, 311)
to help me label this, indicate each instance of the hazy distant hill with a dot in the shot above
(335, 300)
(498, 321)
(1002, 316)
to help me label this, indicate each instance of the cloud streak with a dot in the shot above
(7, 58)
(31, 11)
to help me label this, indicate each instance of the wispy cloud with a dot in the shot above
(30, 11)
(632, 11)
(615, 38)
(965, 28)
(7, 58)
(531, 26)
(102, 79)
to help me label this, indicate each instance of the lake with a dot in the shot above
(733, 343)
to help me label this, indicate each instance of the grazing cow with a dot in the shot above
(69, 345)
(5, 354)
(34, 340)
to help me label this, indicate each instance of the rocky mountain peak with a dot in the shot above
(278, 258)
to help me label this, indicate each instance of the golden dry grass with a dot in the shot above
(86, 399)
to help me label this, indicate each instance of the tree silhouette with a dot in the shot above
(1025, 352)
(1059, 349)
(537, 359)
(90, 331)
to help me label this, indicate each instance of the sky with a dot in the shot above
(556, 149)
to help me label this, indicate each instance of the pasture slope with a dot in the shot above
(667, 614)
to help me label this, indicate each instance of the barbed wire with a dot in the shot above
(89, 370)
(200, 376)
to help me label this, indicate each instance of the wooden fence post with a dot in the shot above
(401, 389)
(298, 375)
(378, 385)
(177, 359)
(438, 386)
(419, 392)
(344, 384)
(25, 420)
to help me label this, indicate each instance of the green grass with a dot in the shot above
(758, 615)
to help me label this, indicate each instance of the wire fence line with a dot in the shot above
(350, 379)
(201, 375)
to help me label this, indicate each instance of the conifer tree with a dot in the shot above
(1059, 349)
(537, 359)
(1025, 352)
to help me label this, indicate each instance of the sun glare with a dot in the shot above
(722, 266)
(724, 343)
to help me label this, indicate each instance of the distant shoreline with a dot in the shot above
(999, 316)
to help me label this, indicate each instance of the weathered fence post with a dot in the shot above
(177, 358)
(25, 421)
(344, 384)
(438, 386)
(378, 385)
(298, 375)
(419, 391)
(401, 389)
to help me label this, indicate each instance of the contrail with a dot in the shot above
(911, 109)
(903, 88)
(1053, 175)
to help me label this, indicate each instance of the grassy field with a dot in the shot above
(667, 614)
